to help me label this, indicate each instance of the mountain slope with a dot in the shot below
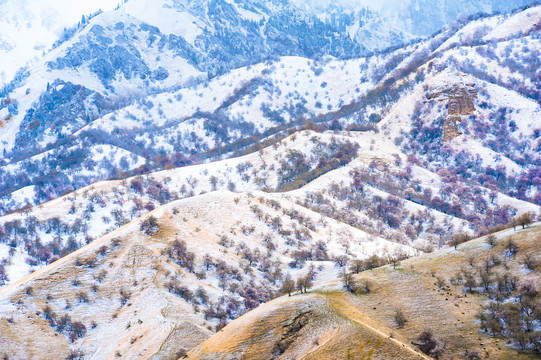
(308, 327)
(352, 191)
(187, 270)
(445, 132)
(329, 322)
(82, 95)
(235, 173)
(29, 29)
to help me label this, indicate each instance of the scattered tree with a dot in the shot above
(363, 287)
(429, 344)
(491, 240)
(76, 355)
(459, 239)
(288, 286)
(400, 318)
(525, 219)
(150, 226)
(347, 281)
(304, 283)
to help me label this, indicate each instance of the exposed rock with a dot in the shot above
(461, 101)
(451, 128)
(458, 97)
(290, 332)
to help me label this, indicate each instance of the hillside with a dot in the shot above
(172, 170)
(201, 267)
(329, 322)
(462, 153)
(459, 146)
(352, 192)
(182, 95)
(141, 285)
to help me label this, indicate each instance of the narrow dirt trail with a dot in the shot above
(329, 336)
(348, 309)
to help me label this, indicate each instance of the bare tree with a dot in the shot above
(459, 239)
(525, 219)
(213, 182)
(440, 281)
(304, 283)
(400, 318)
(341, 260)
(395, 257)
(288, 286)
(491, 240)
(347, 281)
(357, 266)
(150, 226)
(429, 344)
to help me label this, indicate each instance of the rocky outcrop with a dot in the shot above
(451, 128)
(458, 98)
(461, 100)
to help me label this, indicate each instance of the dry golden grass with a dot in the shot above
(343, 323)
(334, 324)
(328, 333)
(449, 312)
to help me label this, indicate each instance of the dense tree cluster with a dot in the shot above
(297, 169)
(26, 232)
(179, 252)
(426, 147)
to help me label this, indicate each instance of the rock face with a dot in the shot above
(461, 100)
(458, 98)
(451, 128)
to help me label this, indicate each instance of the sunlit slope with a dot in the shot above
(335, 321)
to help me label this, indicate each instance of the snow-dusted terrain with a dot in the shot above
(200, 156)
(28, 29)
(210, 120)
(162, 92)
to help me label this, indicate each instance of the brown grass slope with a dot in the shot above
(300, 327)
(337, 324)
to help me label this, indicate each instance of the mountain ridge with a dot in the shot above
(161, 200)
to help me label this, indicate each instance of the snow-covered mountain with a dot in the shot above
(121, 57)
(418, 18)
(28, 29)
(172, 164)
(433, 125)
